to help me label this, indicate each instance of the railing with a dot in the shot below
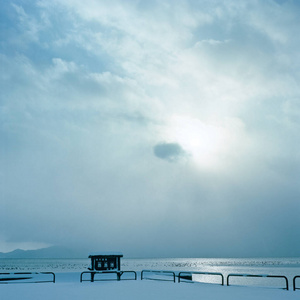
(294, 283)
(17, 276)
(266, 276)
(180, 276)
(164, 273)
(33, 277)
(118, 273)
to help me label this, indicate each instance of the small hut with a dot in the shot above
(103, 261)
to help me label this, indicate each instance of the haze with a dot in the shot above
(155, 128)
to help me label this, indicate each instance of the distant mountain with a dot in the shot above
(50, 252)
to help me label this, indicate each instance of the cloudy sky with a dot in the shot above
(156, 128)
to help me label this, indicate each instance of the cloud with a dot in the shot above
(87, 91)
(169, 151)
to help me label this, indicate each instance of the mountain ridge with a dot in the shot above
(49, 252)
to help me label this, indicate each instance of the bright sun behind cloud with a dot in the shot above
(206, 143)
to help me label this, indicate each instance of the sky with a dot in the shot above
(155, 128)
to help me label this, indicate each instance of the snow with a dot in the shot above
(68, 287)
(106, 254)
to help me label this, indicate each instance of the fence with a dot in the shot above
(163, 275)
(26, 277)
(38, 277)
(259, 276)
(181, 276)
(107, 276)
(294, 283)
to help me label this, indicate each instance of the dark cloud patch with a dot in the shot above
(169, 151)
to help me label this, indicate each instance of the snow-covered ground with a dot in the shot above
(68, 287)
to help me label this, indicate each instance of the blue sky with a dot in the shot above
(156, 128)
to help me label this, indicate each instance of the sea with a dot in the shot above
(288, 267)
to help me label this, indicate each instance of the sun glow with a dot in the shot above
(204, 142)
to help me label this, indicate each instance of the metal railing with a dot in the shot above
(185, 276)
(180, 276)
(294, 283)
(117, 273)
(259, 276)
(164, 273)
(24, 277)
